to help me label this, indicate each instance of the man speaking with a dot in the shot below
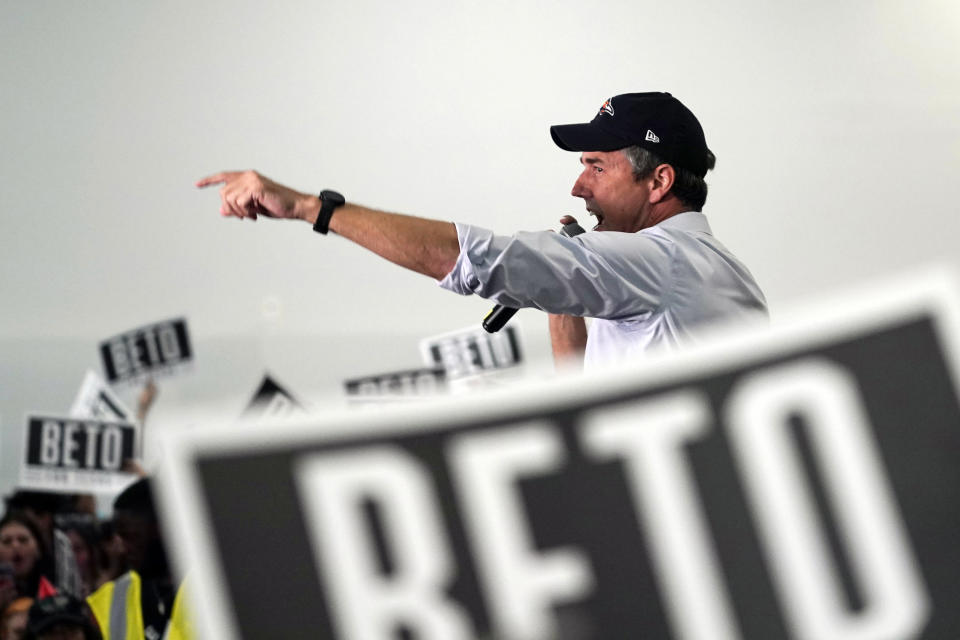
(653, 277)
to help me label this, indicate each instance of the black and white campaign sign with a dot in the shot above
(272, 401)
(800, 482)
(96, 400)
(409, 383)
(154, 349)
(472, 351)
(77, 455)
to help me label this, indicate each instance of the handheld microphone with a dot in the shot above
(500, 315)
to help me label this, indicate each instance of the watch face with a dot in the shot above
(332, 197)
(329, 201)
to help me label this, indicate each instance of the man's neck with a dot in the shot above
(664, 211)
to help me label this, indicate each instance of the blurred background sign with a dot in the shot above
(408, 384)
(472, 351)
(799, 482)
(149, 350)
(77, 455)
(272, 401)
(95, 400)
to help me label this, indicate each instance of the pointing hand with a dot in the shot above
(247, 194)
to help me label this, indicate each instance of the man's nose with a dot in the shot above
(579, 189)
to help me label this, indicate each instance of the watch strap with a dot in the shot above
(329, 201)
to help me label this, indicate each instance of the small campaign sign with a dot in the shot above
(272, 401)
(408, 383)
(799, 482)
(77, 455)
(472, 351)
(96, 400)
(155, 349)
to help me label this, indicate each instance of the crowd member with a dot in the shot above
(145, 597)
(81, 530)
(13, 623)
(145, 400)
(40, 507)
(21, 547)
(84, 504)
(656, 276)
(60, 617)
(8, 586)
(111, 563)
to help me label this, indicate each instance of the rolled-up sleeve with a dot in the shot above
(601, 275)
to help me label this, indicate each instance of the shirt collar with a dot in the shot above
(689, 221)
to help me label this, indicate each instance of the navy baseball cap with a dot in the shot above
(58, 609)
(655, 121)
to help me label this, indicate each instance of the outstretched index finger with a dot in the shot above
(217, 178)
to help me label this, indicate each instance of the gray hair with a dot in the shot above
(688, 187)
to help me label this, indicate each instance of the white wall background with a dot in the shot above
(836, 126)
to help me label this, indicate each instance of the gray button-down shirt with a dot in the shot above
(657, 287)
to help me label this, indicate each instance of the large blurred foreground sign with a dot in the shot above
(801, 482)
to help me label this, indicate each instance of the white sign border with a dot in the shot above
(93, 384)
(115, 486)
(426, 344)
(931, 291)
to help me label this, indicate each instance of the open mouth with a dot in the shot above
(599, 217)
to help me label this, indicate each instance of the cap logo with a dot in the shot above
(606, 108)
(652, 137)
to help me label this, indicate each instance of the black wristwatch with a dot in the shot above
(329, 201)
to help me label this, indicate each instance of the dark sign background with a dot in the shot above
(406, 382)
(147, 358)
(266, 392)
(34, 441)
(259, 530)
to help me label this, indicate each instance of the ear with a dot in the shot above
(661, 181)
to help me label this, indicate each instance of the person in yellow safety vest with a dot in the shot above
(118, 610)
(141, 604)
